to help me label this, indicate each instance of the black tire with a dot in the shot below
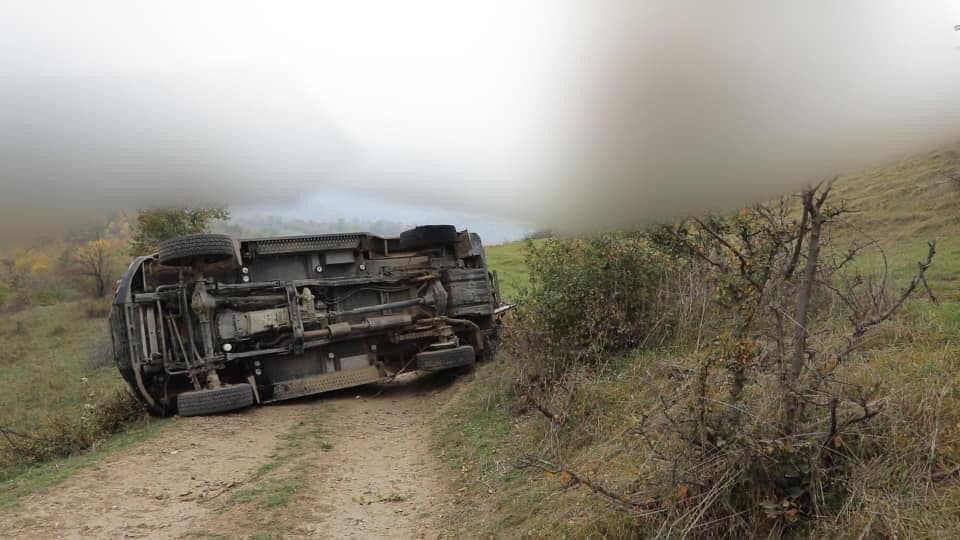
(196, 249)
(427, 236)
(217, 400)
(446, 359)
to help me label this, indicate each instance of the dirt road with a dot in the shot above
(355, 464)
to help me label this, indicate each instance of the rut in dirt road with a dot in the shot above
(353, 464)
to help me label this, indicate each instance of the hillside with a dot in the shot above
(900, 205)
(491, 437)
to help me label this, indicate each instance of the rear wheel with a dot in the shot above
(196, 249)
(216, 400)
(427, 236)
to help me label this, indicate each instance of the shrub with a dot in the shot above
(71, 434)
(600, 292)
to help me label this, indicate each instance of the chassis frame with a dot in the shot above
(211, 324)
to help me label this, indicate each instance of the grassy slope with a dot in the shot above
(903, 206)
(508, 261)
(60, 361)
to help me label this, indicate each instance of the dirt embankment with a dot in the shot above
(355, 464)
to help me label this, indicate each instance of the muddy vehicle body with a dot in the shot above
(211, 324)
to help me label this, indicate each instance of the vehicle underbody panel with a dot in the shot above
(294, 316)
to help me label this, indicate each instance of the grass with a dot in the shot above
(475, 439)
(508, 261)
(482, 435)
(54, 360)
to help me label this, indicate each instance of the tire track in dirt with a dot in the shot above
(374, 477)
(380, 478)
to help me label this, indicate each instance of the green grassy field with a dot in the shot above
(55, 359)
(508, 262)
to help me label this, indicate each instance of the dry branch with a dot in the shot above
(918, 278)
(596, 487)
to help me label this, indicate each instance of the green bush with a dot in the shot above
(599, 294)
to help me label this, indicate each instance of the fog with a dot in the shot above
(570, 115)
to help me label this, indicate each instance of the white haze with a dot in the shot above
(548, 113)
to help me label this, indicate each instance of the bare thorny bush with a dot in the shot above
(758, 432)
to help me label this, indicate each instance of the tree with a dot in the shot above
(158, 224)
(92, 261)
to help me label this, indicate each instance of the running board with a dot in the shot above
(324, 383)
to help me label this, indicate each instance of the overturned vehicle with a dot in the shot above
(210, 324)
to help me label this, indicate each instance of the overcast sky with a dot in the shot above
(504, 116)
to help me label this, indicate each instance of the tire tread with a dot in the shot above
(426, 236)
(217, 400)
(446, 358)
(207, 248)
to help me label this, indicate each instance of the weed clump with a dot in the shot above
(71, 434)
